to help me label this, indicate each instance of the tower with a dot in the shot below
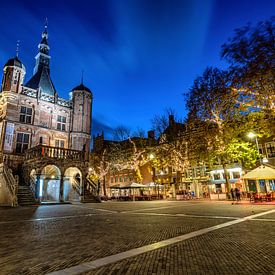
(43, 57)
(13, 77)
(41, 79)
(82, 114)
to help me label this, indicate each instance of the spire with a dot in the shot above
(43, 57)
(41, 74)
(45, 32)
(17, 48)
(82, 73)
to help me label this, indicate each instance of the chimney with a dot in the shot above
(151, 134)
(171, 120)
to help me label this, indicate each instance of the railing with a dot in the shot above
(43, 151)
(76, 186)
(10, 181)
(32, 184)
(91, 186)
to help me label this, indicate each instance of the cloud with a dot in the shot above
(98, 127)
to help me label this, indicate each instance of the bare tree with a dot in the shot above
(121, 133)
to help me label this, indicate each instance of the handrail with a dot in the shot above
(32, 184)
(11, 182)
(76, 186)
(91, 186)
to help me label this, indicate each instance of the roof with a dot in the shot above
(261, 172)
(81, 87)
(41, 79)
(15, 62)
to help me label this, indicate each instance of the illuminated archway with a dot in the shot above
(72, 184)
(50, 185)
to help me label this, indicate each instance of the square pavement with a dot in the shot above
(45, 239)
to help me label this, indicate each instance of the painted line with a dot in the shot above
(187, 215)
(99, 209)
(49, 219)
(85, 267)
(155, 208)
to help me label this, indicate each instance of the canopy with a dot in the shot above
(136, 185)
(153, 184)
(261, 172)
(131, 186)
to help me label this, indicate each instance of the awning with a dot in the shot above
(153, 184)
(131, 186)
(261, 172)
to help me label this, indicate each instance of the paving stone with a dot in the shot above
(82, 233)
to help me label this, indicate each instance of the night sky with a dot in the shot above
(138, 56)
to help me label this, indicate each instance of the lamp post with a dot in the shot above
(252, 135)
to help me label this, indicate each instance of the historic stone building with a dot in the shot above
(44, 139)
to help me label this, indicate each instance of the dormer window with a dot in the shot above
(25, 115)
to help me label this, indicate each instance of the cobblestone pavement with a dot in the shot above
(39, 240)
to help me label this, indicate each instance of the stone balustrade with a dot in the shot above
(43, 151)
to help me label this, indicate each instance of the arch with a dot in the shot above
(50, 186)
(73, 184)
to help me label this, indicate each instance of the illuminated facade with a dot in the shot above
(41, 134)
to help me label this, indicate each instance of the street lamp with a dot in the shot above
(252, 135)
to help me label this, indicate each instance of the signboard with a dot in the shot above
(9, 137)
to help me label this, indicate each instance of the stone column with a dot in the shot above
(61, 191)
(197, 189)
(38, 186)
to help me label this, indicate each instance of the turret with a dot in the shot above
(13, 77)
(82, 115)
(41, 79)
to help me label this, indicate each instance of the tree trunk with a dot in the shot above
(104, 186)
(227, 183)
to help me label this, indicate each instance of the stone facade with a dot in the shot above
(32, 115)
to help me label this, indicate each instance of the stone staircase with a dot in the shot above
(8, 186)
(90, 192)
(25, 196)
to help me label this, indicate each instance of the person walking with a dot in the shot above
(232, 195)
(238, 194)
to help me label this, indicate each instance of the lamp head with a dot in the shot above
(251, 135)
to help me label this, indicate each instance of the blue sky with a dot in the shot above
(138, 56)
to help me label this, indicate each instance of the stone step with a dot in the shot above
(25, 196)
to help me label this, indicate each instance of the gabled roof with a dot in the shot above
(41, 79)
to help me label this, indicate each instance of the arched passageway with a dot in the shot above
(73, 184)
(49, 189)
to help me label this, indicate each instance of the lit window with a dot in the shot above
(270, 149)
(25, 115)
(236, 175)
(22, 142)
(61, 123)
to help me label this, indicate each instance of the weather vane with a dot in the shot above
(17, 48)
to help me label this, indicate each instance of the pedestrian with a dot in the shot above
(238, 194)
(232, 194)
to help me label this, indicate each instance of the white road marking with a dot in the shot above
(85, 267)
(186, 215)
(49, 218)
(154, 208)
